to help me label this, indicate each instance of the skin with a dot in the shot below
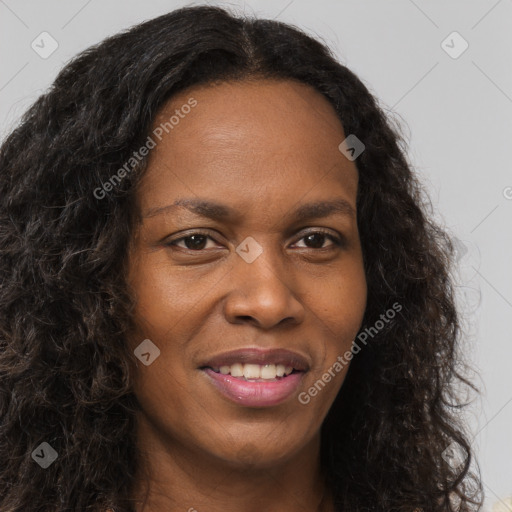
(263, 148)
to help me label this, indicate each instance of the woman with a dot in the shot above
(221, 289)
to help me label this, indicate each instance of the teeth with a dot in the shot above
(236, 370)
(252, 371)
(255, 371)
(269, 371)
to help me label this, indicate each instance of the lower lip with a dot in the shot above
(255, 394)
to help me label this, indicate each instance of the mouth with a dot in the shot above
(256, 378)
(255, 372)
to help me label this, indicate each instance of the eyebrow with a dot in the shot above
(218, 211)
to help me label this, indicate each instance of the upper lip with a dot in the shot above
(259, 356)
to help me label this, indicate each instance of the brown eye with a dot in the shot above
(193, 242)
(316, 240)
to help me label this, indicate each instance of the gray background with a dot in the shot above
(456, 115)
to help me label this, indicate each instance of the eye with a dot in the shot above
(315, 240)
(195, 241)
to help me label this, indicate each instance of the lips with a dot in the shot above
(245, 391)
(257, 356)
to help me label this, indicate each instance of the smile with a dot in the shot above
(254, 377)
(255, 371)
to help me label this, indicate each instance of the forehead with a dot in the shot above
(248, 141)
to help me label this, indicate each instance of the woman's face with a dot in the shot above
(246, 274)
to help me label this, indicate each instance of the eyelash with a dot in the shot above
(337, 241)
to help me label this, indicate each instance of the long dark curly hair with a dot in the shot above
(65, 371)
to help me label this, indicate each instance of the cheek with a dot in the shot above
(165, 295)
(164, 314)
(339, 305)
(340, 300)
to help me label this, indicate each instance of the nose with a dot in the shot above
(263, 292)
